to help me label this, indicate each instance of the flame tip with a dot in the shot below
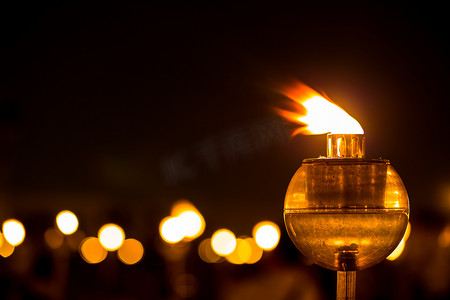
(322, 115)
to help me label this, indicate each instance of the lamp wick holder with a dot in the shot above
(346, 145)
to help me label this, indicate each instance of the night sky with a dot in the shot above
(131, 106)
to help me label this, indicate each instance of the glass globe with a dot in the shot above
(346, 214)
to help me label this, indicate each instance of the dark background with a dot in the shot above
(116, 110)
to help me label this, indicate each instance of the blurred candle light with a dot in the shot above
(67, 222)
(6, 249)
(14, 232)
(131, 252)
(54, 238)
(190, 219)
(181, 206)
(256, 253)
(111, 236)
(266, 235)
(206, 252)
(193, 223)
(223, 242)
(171, 230)
(444, 237)
(241, 253)
(92, 251)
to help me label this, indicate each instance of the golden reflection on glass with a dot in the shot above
(206, 252)
(401, 246)
(67, 222)
(14, 232)
(131, 252)
(266, 235)
(92, 251)
(111, 236)
(223, 242)
(53, 238)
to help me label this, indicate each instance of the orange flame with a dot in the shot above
(318, 113)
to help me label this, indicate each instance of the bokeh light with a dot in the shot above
(223, 242)
(171, 230)
(193, 223)
(257, 252)
(444, 237)
(92, 251)
(6, 249)
(111, 236)
(241, 253)
(131, 252)
(189, 221)
(181, 206)
(67, 222)
(14, 232)
(206, 252)
(53, 238)
(266, 235)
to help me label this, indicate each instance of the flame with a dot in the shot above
(318, 113)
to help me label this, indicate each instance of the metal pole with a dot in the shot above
(346, 285)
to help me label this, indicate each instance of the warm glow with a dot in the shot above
(131, 252)
(185, 222)
(191, 220)
(67, 222)
(399, 250)
(111, 236)
(171, 230)
(223, 242)
(92, 251)
(444, 237)
(6, 249)
(267, 235)
(241, 253)
(193, 223)
(206, 252)
(54, 238)
(181, 206)
(14, 232)
(257, 252)
(321, 115)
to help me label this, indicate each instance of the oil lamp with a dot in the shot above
(343, 211)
